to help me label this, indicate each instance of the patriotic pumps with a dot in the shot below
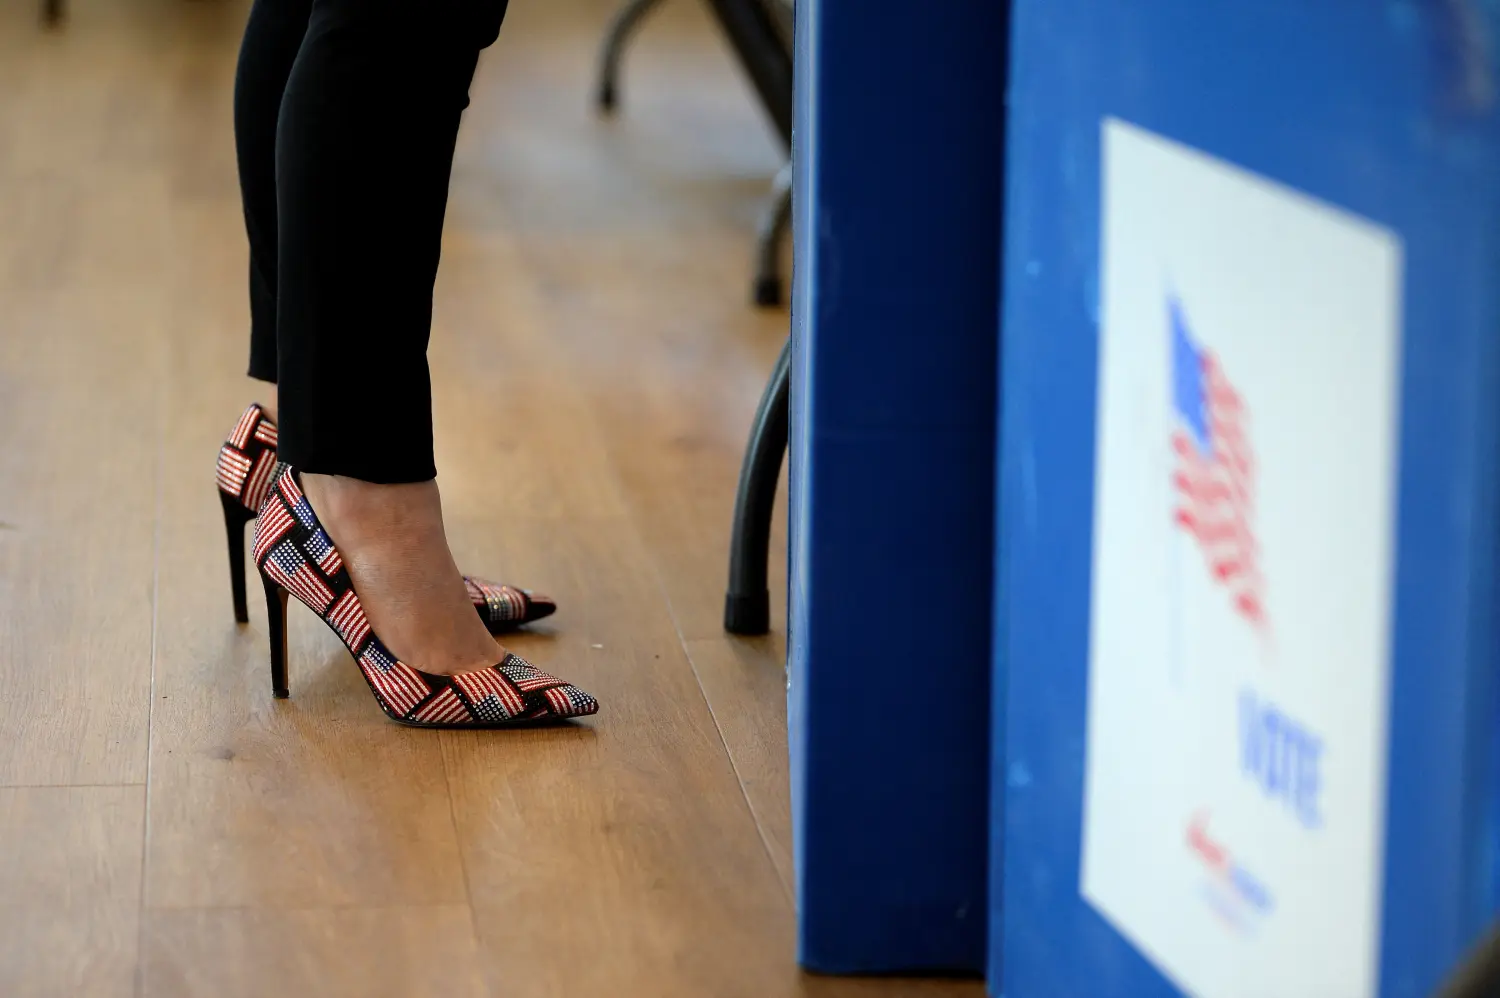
(296, 557)
(247, 465)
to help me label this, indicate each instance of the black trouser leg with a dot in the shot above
(363, 152)
(273, 36)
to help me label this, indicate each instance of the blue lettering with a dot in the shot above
(1283, 757)
(1252, 890)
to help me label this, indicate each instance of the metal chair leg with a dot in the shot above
(626, 20)
(766, 291)
(747, 604)
(751, 27)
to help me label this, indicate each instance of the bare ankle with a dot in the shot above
(358, 509)
(396, 552)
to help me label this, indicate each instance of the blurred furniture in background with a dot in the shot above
(766, 290)
(761, 32)
(626, 20)
(747, 602)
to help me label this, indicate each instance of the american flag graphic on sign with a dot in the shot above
(1214, 473)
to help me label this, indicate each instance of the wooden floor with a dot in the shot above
(166, 828)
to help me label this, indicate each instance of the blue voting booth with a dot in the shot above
(1246, 541)
(1226, 532)
(896, 223)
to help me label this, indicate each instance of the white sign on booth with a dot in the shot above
(1234, 809)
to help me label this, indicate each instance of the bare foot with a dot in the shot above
(392, 541)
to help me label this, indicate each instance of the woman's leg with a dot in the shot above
(364, 150)
(273, 36)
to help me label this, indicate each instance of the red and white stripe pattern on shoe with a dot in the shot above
(291, 489)
(260, 479)
(348, 618)
(274, 523)
(505, 608)
(247, 460)
(527, 677)
(293, 551)
(568, 700)
(233, 469)
(399, 685)
(491, 696)
(321, 549)
(502, 603)
(445, 708)
(239, 437)
(288, 569)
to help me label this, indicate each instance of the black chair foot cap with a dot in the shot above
(767, 291)
(747, 615)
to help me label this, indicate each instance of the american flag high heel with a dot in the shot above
(247, 464)
(296, 557)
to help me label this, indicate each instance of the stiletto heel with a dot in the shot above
(235, 518)
(247, 466)
(295, 556)
(276, 617)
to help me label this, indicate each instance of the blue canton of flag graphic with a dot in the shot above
(1187, 380)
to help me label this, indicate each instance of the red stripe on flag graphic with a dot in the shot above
(445, 708)
(289, 488)
(1216, 492)
(348, 618)
(536, 681)
(477, 685)
(233, 467)
(273, 525)
(399, 685)
(260, 480)
(570, 701)
(331, 562)
(241, 435)
(310, 589)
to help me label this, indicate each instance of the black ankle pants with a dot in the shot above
(345, 117)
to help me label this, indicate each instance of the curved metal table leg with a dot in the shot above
(747, 604)
(626, 20)
(766, 290)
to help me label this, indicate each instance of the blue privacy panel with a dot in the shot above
(897, 149)
(1246, 538)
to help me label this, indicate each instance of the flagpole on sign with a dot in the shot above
(1174, 585)
(1175, 494)
(1174, 467)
